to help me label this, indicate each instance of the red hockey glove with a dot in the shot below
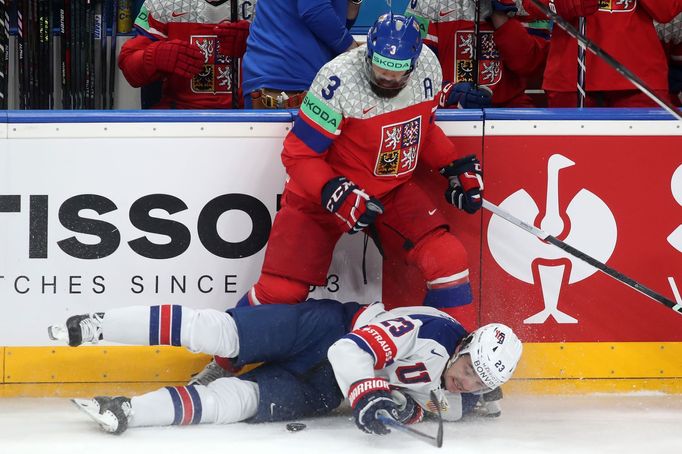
(466, 183)
(367, 397)
(232, 37)
(174, 57)
(352, 206)
(507, 7)
(570, 9)
(465, 96)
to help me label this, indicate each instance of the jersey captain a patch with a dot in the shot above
(399, 148)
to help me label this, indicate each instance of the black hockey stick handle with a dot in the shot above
(541, 234)
(234, 61)
(601, 53)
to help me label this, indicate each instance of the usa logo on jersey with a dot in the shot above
(617, 6)
(489, 67)
(399, 148)
(216, 75)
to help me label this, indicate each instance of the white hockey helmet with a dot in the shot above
(495, 351)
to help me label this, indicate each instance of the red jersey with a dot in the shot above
(344, 129)
(448, 26)
(190, 21)
(625, 30)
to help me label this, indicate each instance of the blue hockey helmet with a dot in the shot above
(394, 43)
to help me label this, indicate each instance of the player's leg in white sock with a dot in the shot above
(206, 330)
(223, 401)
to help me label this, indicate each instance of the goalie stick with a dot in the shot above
(601, 53)
(544, 236)
(436, 441)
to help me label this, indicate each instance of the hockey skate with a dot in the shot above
(111, 413)
(210, 373)
(79, 329)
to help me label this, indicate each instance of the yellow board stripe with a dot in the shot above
(593, 385)
(100, 364)
(570, 367)
(601, 360)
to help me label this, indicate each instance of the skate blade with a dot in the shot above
(58, 333)
(107, 421)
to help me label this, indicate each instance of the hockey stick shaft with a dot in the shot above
(384, 417)
(477, 42)
(601, 53)
(234, 61)
(581, 64)
(544, 236)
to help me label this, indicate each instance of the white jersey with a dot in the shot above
(410, 347)
(670, 33)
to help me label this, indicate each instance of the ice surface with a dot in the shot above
(598, 423)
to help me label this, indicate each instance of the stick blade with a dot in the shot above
(439, 435)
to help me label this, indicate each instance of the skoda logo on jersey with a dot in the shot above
(592, 229)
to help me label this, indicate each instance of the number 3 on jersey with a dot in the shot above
(328, 93)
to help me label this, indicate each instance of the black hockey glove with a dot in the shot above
(354, 209)
(367, 397)
(466, 183)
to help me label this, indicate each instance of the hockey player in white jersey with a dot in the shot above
(314, 354)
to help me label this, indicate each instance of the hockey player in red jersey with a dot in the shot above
(366, 121)
(316, 354)
(188, 45)
(625, 30)
(508, 53)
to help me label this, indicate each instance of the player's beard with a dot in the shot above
(386, 93)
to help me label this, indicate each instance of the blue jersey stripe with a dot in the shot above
(196, 402)
(154, 316)
(314, 139)
(177, 405)
(362, 344)
(176, 323)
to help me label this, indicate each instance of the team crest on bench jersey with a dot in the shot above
(399, 148)
(617, 6)
(489, 67)
(216, 75)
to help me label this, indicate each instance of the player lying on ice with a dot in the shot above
(315, 354)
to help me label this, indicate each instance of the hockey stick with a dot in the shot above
(477, 38)
(437, 441)
(234, 62)
(601, 53)
(544, 236)
(581, 65)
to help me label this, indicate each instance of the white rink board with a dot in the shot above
(189, 171)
